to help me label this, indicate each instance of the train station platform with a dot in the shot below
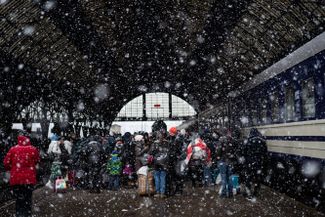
(196, 202)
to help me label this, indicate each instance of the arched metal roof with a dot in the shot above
(202, 48)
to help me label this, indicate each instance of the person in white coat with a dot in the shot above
(59, 150)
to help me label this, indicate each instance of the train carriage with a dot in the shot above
(286, 103)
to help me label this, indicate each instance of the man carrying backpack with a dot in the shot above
(159, 151)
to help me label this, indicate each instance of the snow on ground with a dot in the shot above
(197, 202)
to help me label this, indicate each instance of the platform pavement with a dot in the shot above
(197, 202)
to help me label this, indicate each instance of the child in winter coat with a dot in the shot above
(114, 168)
(128, 175)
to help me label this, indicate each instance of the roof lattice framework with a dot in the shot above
(201, 48)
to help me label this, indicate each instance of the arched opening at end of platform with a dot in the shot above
(141, 112)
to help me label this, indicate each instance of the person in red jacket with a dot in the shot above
(21, 160)
(198, 156)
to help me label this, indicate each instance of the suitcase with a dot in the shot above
(146, 185)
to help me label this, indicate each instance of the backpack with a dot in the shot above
(161, 156)
(198, 153)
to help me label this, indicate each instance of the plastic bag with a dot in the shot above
(143, 170)
(218, 179)
(60, 185)
(181, 168)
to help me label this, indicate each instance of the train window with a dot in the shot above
(275, 107)
(244, 114)
(220, 121)
(289, 103)
(263, 103)
(308, 98)
(225, 114)
(238, 113)
(254, 112)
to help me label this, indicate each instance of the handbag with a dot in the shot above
(218, 179)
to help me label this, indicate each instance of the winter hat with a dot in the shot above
(173, 131)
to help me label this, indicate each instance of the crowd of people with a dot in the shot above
(173, 156)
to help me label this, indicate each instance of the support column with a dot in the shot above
(170, 105)
(7, 119)
(144, 108)
(45, 124)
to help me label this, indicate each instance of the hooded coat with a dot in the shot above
(93, 153)
(129, 149)
(176, 150)
(227, 150)
(255, 151)
(21, 160)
